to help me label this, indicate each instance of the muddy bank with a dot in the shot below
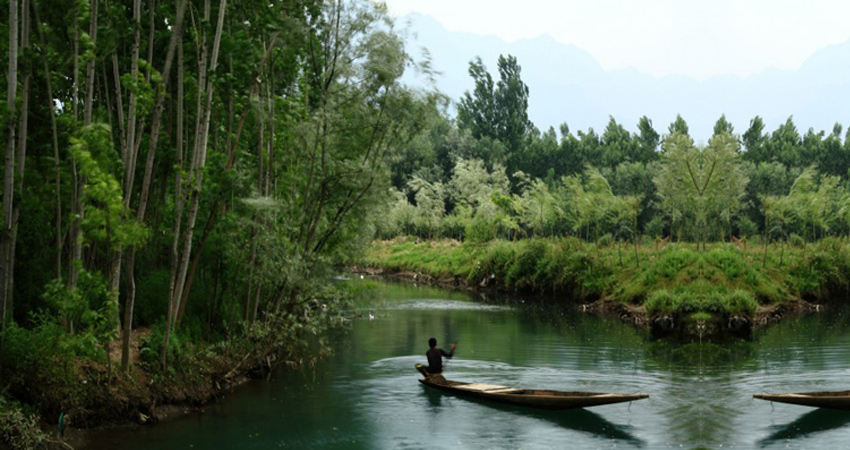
(93, 397)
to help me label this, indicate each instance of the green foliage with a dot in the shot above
(19, 429)
(732, 265)
(821, 271)
(497, 110)
(151, 291)
(662, 301)
(316, 146)
(59, 364)
(672, 261)
(700, 298)
(150, 348)
(87, 310)
(747, 228)
(105, 217)
(25, 351)
(701, 187)
(723, 280)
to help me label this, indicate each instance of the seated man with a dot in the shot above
(435, 359)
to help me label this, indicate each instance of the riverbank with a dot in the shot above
(675, 290)
(43, 379)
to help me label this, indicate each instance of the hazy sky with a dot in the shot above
(699, 38)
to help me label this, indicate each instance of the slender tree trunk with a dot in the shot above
(635, 242)
(250, 305)
(256, 303)
(193, 266)
(21, 152)
(55, 135)
(270, 165)
(146, 182)
(198, 162)
(74, 229)
(78, 209)
(178, 200)
(764, 258)
(127, 152)
(211, 221)
(9, 172)
(119, 103)
(89, 107)
(620, 251)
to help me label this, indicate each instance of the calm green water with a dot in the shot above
(366, 396)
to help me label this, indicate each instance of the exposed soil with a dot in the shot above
(139, 399)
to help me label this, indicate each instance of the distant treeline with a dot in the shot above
(492, 174)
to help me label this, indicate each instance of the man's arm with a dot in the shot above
(451, 351)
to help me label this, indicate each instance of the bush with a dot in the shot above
(747, 228)
(662, 301)
(26, 352)
(522, 268)
(654, 228)
(150, 349)
(739, 301)
(19, 429)
(732, 264)
(606, 240)
(674, 260)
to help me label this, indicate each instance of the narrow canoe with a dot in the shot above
(534, 398)
(834, 399)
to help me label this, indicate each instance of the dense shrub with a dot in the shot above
(18, 428)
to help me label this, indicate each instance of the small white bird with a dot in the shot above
(361, 277)
(371, 316)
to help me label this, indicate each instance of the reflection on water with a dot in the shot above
(814, 421)
(366, 396)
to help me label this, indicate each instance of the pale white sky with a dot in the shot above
(699, 38)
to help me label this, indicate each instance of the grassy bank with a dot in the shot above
(678, 280)
(48, 371)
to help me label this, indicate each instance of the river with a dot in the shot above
(366, 395)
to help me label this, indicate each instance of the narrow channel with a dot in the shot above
(367, 396)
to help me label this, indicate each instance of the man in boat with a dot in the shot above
(435, 359)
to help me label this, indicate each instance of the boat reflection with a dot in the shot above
(812, 422)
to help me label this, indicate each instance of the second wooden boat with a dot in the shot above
(534, 398)
(833, 399)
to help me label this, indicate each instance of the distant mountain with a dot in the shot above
(567, 85)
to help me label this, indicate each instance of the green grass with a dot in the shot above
(676, 279)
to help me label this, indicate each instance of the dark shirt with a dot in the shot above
(435, 359)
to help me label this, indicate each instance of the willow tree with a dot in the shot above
(540, 209)
(473, 189)
(697, 185)
(321, 176)
(725, 182)
(590, 201)
(815, 203)
(430, 203)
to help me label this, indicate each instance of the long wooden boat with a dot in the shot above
(534, 398)
(833, 399)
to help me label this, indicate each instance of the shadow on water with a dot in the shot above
(578, 419)
(815, 421)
